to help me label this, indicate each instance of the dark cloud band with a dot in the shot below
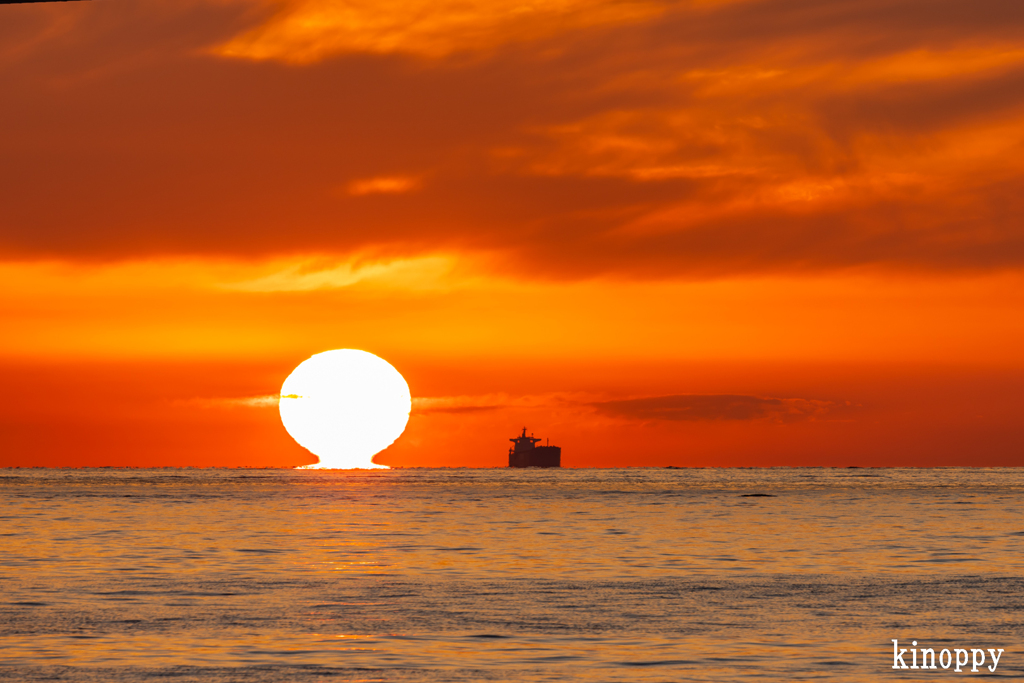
(691, 408)
(697, 140)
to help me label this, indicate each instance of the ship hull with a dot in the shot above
(541, 456)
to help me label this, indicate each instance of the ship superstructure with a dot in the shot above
(526, 453)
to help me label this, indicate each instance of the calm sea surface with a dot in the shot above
(479, 575)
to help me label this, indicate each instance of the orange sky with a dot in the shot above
(692, 233)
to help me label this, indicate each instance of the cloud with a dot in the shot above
(305, 31)
(565, 140)
(455, 409)
(675, 407)
(419, 273)
(482, 403)
(692, 408)
(383, 185)
(267, 401)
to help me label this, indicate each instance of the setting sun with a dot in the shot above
(345, 406)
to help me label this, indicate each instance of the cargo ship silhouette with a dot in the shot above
(526, 453)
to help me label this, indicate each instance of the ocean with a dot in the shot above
(636, 574)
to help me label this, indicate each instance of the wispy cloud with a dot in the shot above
(266, 401)
(383, 185)
(482, 403)
(305, 31)
(675, 407)
(311, 275)
(695, 407)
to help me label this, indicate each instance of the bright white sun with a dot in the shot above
(345, 406)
